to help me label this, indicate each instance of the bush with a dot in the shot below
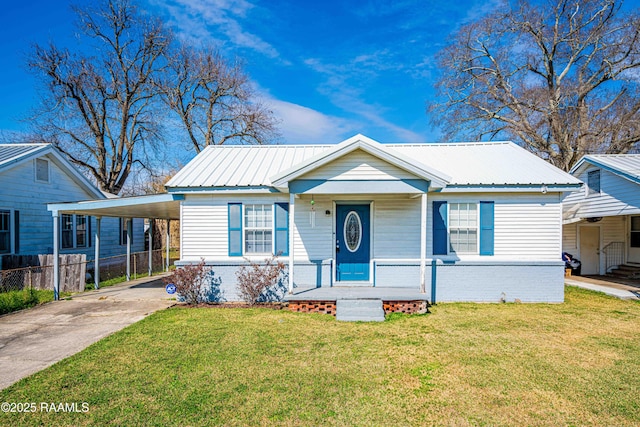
(196, 283)
(256, 278)
(18, 300)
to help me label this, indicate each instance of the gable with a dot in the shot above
(358, 165)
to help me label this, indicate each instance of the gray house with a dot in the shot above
(602, 220)
(32, 175)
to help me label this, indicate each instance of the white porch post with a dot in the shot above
(150, 246)
(168, 241)
(56, 256)
(423, 241)
(129, 225)
(96, 260)
(292, 199)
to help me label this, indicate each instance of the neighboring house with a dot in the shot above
(459, 222)
(602, 221)
(32, 175)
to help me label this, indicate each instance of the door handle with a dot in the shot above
(337, 245)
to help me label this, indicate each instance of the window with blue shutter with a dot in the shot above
(486, 228)
(281, 224)
(235, 229)
(439, 228)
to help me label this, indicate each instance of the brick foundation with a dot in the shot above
(329, 307)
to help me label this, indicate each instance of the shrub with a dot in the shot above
(195, 283)
(256, 278)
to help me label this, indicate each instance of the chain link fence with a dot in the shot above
(75, 276)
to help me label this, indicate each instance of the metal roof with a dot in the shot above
(10, 153)
(626, 165)
(473, 164)
(160, 206)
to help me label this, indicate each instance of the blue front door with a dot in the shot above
(352, 242)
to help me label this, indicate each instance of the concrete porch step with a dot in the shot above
(359, 310)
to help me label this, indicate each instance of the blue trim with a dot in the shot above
(440, 228)
(281, 229)
(486, 228)
(235, 230)
(391, 186)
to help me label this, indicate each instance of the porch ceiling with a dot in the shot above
(159, 206)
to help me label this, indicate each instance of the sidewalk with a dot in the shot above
(33, 339)
(601, 284)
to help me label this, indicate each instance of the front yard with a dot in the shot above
(466, 364)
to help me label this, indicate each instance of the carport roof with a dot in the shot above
(159, 206)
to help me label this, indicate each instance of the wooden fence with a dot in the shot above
(36, 271)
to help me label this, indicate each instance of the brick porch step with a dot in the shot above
(359, 310)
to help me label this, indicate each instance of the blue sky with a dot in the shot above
(329, 69)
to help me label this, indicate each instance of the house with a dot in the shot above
(32, 175)
(602, 220)
(452, 222)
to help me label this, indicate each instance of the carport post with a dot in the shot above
(150, 246)
(129, 224)
(168, 242)
(423, 241)
(56, 256)
(96, 260)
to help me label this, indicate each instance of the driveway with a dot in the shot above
(33, 339)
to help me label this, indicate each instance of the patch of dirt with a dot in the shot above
(271, 305)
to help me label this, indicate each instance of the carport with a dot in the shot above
(155, 206)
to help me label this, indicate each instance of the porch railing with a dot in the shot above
(614, 255)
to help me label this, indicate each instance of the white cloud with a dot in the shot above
(194, 19)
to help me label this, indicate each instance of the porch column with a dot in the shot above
(423, 241)
(168, 241)
(96, 260)
(56, 256)
(150, 246)
(292, 199)
(129, 224)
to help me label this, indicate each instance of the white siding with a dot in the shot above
(19, 191)
(526, 227)
(313, 242)
(570, 238)
(618, 196)
(358, 165)
(396, 228)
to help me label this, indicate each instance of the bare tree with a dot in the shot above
(214, 100)
(98, 106)
(560, 77)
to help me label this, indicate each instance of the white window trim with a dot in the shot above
(35, 170)
(74, 232)
(477, 227)
(12, 240)
(244, 229)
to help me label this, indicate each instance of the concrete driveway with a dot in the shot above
(33, 339)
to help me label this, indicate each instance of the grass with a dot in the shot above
(18, 300)
(465, 364)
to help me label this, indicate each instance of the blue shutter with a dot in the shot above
(235, 229)
(440, 228)
(486, 228)
(281, 222)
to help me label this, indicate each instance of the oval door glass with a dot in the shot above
(352, 231)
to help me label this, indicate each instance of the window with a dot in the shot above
(42, 170)
(463, 227)
(593, 182)
(124, 225)
(258, 229)
(5, 232)
(634, 239)
(74, 231)
(67, 231)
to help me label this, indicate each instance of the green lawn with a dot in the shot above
(18, 300)
(576, 363)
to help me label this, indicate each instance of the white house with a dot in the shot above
(602, 221)
(32, 175)
(453, 222)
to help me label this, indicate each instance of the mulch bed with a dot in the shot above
(271, 305)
